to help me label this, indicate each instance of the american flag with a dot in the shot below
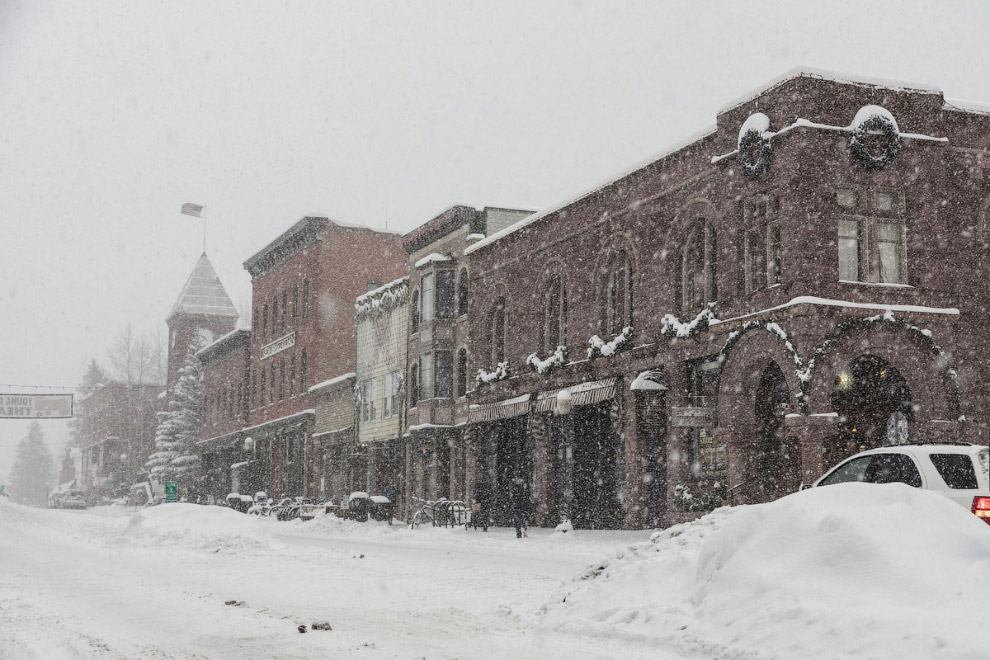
(195, 210)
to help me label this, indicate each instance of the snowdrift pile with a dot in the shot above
(200, 527)
(853, 571)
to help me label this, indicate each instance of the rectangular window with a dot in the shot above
(426, 376)
(254, 389)
(264, 378)
(285, 309)
(396, 391)
(373, 394)
(712, 456)
(445, 294)
(365, 394)
(847, 199)
(254, 325)
(305, 300)
(427, 299)
(292, 375)
(754, 261)
(295, 304)
(445, 374)
(281, 378)
(271, 383)
(773, 254)
(264, 323)
(890, 246)
(274, 315)
(849, 250)
(302, 371)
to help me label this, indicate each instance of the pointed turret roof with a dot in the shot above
(204, 294)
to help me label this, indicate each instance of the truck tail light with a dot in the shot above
(981, 507)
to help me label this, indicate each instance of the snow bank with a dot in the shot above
(854, 571)
(200, 527)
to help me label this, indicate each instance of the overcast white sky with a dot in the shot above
(115, 112)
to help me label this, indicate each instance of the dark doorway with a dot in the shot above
(506, 456)
(874, 405)
(778, 458)
(596, 503)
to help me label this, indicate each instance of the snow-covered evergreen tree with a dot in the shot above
(179, 427)
(33, 471)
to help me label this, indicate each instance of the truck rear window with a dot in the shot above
(956, 470)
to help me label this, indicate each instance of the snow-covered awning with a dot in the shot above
(582, 394)
(506, 409)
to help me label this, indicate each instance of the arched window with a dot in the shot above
(554, 313)
(499, 326)
(700, 275)
(616, 294)
(462, 372)
(413, 386)
(462, 292)
(414, 311)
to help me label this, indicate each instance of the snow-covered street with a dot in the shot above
(154, 585)
(855, 572)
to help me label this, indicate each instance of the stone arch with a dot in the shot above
(743, 361)
(925, 371)
(747, 358)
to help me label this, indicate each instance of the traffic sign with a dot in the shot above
(171, 491)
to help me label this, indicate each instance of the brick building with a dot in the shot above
(225, 412)
(437, 353)
(118, 435)
(741, 312)
(302, 332)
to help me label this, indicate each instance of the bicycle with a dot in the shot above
(425, 514)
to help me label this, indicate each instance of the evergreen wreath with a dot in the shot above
(754, 153)
(858, 142)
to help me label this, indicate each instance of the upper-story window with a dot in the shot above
(462, 292)
(462, 372)
(617, 296)
(295, 304)
(413, 385)
(426, 298)
(414, 311)
(445, 294)
(254, 325)
(390, 401)
(499, 327)
(285, 309)
(872, 236)
(264, 322)
(700, 273)
(554, 313)
(760, 247)
(305, 300)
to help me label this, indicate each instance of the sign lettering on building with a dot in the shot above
(693, 417)
(33, 406)
(279, 345)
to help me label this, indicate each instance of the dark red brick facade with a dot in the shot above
(690, 228)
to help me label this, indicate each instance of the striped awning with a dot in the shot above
(490, 412)
(582, 394)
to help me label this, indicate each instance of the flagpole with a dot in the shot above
(203, 216)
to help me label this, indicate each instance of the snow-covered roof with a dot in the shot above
(536, 217)
(834, 76)
(333, 381)
(203, 293)
(432, 258)
(233, 335)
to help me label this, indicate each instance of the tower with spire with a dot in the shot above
(203, 308)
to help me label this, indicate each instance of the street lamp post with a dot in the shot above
(565, 453)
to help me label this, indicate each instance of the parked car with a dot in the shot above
(960, 472)
(70, 499)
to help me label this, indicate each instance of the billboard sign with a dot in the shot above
(35, 406)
